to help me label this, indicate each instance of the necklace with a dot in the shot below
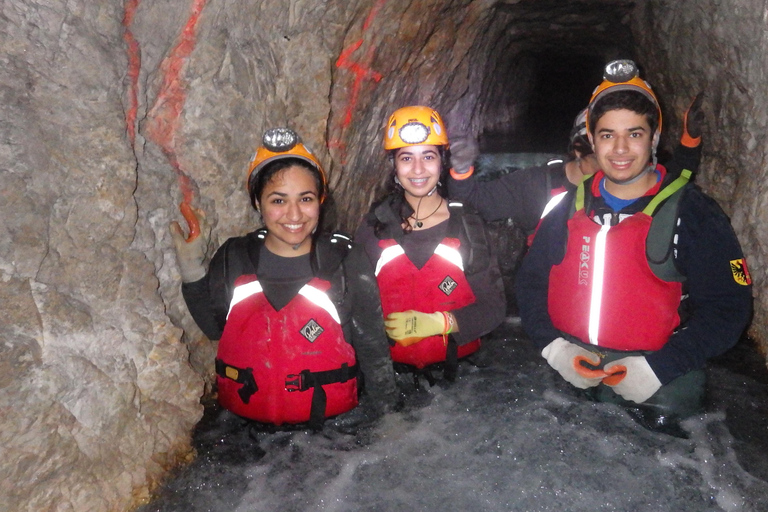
(418, 220)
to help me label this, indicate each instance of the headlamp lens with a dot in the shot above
(619, 71)
(280, 140)
(414, 133)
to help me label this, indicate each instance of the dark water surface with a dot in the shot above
(509, 434)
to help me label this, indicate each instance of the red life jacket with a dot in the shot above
(605, 291)
(287, 366)
(440, 285)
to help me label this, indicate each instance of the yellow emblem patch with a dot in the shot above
(740, 272)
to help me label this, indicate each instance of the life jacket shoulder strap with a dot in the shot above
(328, 261)
(469, 228)
(659, 246)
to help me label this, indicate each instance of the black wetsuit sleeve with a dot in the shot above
(197, 297)
(365, 237)
(367, 328)
(709, 256)
(520, 195)
(490, 306)
(532, 280)
(684, 157)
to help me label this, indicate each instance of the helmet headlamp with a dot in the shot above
(280, 140)
(414, 132)
(619, 71)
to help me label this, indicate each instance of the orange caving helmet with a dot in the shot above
(622, 75)
(413, 126)
(279, 143)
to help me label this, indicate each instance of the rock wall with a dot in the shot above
(115, 112)
(719, 47)
(97, 398)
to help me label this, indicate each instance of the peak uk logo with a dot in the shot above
(584, 257)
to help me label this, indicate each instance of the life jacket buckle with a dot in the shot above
(293, 382)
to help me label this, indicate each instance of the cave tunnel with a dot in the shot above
(545, 125)
(116, 112)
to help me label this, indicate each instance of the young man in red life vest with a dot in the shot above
(636, 278)
(527, 195)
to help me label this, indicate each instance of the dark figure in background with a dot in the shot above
(636, 278)
(297, 312)
(440, 284)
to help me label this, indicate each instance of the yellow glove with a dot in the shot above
(409, 327)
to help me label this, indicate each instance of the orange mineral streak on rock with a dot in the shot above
(164, 118)
(134, 66)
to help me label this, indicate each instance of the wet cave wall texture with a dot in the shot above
(113, 113)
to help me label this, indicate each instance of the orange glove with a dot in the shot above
(693, 123)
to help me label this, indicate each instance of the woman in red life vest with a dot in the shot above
(440, 285)
(297, 312)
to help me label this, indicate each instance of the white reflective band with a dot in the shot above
(243, 292)
(388, 255)
(598, 270)
(319, 298)
(552, 203)
(450, 254)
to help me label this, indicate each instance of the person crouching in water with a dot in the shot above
(440, 284)
(297, 312)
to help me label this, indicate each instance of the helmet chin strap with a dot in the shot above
(650, 167)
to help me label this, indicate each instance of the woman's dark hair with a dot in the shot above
(628, 100)
(395, 193)
(260, 179)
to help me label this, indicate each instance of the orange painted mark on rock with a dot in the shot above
(164, 118)
(362, 68)
(134, 66)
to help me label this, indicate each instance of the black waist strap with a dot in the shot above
(303, 381)
(242, 376)
(307, 380)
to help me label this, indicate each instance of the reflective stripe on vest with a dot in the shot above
(447, 253)
(554, 201)
(315, 296)
(243, 292)
(388, 255)
(596, 300)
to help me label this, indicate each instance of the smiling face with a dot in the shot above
(418, 169)
(290, 208)
(623, 145)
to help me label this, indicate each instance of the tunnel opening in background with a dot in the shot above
(560, 85)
